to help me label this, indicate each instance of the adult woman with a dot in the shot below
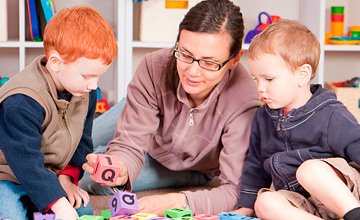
(189, 109)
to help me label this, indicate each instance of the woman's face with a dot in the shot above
(196, 81)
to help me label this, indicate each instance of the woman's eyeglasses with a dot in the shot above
(205, 64)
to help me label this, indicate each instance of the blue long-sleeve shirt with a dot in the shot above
(21, 119)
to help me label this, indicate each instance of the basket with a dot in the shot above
(349, 96)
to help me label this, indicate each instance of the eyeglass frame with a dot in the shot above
(220, 65)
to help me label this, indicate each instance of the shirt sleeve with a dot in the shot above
(72, 172)
(254, 176)
(21, 120)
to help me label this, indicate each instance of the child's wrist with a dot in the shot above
(60, 204)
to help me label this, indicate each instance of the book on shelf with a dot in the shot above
(48, 9)
(39, 14)
(3, 21)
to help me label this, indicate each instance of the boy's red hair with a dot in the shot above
(80, 32)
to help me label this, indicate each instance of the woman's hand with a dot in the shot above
(64, 210)
(89, 167)
(157, 204)
(75, 194)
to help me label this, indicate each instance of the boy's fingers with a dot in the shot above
(87, 168)
(91, 159)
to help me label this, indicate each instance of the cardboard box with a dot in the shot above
(349, 96)
(160, 19)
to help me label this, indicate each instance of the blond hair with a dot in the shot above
(80, 32)
(291, 40)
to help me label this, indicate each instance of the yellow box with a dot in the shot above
(349, 96)
(180, 4)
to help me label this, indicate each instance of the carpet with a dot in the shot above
(100, 202)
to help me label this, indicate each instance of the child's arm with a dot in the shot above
(21, 120)
(254, 176)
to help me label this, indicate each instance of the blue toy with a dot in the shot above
(234, 216)
(3, 80)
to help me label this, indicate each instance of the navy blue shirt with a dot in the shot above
(279, 143)
(23, 131)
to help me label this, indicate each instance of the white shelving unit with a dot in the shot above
(19, 51)
(338, 62)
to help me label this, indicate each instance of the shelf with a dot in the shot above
(9, 44)
(31, 44)
(142, 44)
(343, 48)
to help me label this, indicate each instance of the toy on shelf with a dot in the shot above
(336, 34)
(261, 26)
(354, 82)
(337, 21)
(102, 104)
(3, 80)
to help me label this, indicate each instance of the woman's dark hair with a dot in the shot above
(210, 16)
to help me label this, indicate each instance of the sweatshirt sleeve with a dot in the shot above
(21, 120)
(254, 176)
(344, 135)
(232, 157)
(137, 123)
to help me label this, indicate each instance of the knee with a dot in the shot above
(265, 204)
(309, 170)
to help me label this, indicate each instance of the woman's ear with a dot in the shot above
(54, 62)
(304, 75)
(235, 60)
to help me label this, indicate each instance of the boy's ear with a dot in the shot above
(54, 61)
(304, 74)
(236, 59)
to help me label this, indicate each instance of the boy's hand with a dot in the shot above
(244, 211)
(64, 210)
(75, 194)
(89, 167)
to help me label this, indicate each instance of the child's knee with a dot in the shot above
(265, 204)
(308, 170)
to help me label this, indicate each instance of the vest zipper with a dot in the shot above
(63, 115)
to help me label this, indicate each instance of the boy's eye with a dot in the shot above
(269, 79)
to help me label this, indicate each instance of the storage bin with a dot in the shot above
(159, 23)
(349, 96)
